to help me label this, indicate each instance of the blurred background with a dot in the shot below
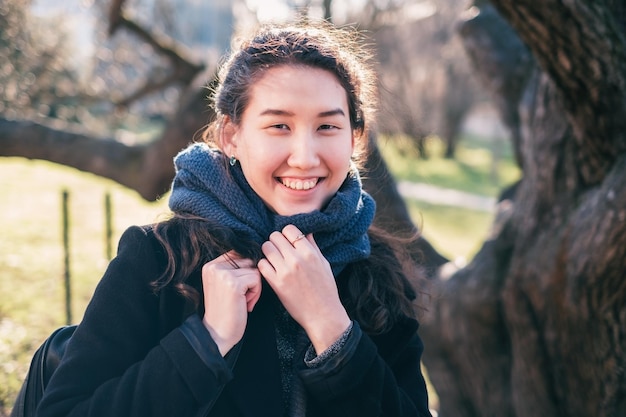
(83, 81)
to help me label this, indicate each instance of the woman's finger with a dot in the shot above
(253, 294)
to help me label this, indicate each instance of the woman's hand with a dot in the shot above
(232, 287)
(303, 281)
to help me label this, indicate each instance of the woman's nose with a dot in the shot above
(304, 152)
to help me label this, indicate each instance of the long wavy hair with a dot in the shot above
(376, 292)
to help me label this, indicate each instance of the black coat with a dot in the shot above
(139, 354)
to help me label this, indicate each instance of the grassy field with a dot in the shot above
(456, 232)
(475, 169)
(31, 250)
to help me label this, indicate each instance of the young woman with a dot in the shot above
(268, 292)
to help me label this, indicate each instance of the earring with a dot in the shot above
(232, 161)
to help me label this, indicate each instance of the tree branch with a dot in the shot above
(147, 169)
(184, 69)
(115, 14)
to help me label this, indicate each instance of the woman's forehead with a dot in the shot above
(297, 86)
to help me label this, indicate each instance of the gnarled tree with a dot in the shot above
(536, 324)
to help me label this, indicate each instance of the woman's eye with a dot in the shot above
(280, 126)
(327, 127)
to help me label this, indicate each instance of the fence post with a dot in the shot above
(108, 225)
(66, 251)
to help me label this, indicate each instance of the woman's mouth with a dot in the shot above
(298, 184)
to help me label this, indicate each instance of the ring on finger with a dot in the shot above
(300, 236)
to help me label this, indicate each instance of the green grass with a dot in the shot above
(474, 169)
(455, 232)
(31, 251)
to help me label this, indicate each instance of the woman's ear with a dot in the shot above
(228, 134)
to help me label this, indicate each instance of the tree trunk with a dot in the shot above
(535, 325)
(457, 102)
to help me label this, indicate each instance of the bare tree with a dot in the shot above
(144, 167)
(427, 83)
(35, 77)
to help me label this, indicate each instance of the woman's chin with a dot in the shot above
(293, 209)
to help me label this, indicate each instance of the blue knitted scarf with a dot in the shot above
(206, 185)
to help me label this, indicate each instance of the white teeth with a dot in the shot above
(299, 185)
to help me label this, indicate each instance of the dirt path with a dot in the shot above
(437, 195)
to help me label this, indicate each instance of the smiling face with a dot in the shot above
(294, 140)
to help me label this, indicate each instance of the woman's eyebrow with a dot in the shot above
(278, 112)
(330, 113)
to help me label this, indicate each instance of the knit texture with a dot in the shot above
(207, 186)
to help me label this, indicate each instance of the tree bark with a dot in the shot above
(535, 324)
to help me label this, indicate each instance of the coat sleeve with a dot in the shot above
(359, 381)
(117, 364)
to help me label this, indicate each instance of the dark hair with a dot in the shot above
(376, 291)
(318, 45)
(190, 242)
